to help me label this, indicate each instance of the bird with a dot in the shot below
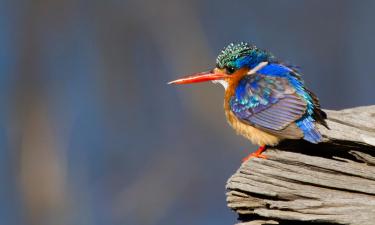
(265, 100)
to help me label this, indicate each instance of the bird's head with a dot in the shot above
(233, 62)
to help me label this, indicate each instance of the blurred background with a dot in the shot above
(91, 134)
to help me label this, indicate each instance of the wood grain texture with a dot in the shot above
(299, 183)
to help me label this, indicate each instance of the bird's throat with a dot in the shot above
(224, 83)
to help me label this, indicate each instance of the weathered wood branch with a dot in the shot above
(331, 182)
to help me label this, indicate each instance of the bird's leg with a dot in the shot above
(256, 154)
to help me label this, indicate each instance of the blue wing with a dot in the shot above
(275, 100)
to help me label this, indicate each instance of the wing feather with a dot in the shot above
(270, 104)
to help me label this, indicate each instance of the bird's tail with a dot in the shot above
(311, 134)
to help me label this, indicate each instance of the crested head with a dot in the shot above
(234, 62)
(240, 55)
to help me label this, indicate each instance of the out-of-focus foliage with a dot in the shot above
(91, 134)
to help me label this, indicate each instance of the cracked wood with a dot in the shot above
(331, 182)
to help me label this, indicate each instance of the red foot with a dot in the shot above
(256, 154)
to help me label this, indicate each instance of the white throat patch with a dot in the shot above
(222, 82)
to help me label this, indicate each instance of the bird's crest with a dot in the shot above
(236, 56)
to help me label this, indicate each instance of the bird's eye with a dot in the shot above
(230, 70)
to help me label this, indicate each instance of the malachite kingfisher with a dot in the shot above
(265, 99)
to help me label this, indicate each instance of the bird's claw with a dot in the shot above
(256, 154)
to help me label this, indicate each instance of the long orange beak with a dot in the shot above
(200, 77)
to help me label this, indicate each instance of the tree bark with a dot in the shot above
(332, 182)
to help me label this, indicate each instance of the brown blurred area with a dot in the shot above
(91, 134)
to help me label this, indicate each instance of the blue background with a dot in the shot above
(91, 134)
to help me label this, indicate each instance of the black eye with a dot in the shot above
(230, 70)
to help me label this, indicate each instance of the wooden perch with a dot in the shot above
(299, 183)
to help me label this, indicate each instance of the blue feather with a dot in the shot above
(263, 100)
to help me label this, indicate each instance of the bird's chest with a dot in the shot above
(255, 135)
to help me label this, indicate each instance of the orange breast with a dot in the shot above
(255, 135)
